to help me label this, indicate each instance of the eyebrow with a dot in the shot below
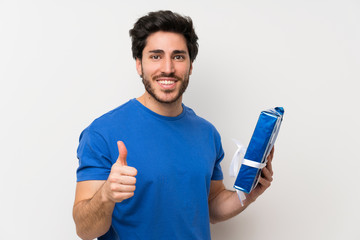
(179, 52)
(162, 51)
(156, 51)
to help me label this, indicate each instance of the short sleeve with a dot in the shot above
(217, 173)
(94, 158)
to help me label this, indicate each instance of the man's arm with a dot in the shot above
(225, 204)
(95, 200)
(91, 212)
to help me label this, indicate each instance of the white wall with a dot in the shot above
(63, 63)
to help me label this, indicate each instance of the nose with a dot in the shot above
(168, 66)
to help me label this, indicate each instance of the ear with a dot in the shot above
(191, 66)
(138, 66)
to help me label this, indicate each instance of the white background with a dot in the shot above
(64, 63)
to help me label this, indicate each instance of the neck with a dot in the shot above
(165, 109)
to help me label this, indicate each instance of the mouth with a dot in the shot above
(167, 83)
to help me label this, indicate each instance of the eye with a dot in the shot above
(155, 57)
(179, 57)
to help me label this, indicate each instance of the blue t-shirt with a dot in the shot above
(176, 159)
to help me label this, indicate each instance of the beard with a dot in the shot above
(149, 88)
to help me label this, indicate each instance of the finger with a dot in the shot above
(122, 153)
(119, 170)
(271, 154)
(264, 182)
(120, 196)
(265, 173)
(123, 188)
(129, 171)
(124, 180)
(269, 167)
(269, 160)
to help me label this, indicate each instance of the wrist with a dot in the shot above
(104, 194)
(249, 199)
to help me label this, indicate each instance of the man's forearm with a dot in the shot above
(93, 216)
(226, 205)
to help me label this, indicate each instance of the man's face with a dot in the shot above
(165, 66)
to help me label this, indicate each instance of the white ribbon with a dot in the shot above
(234, 166)
(254, 164)
(237, 158)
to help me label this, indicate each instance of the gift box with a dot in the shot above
(260, 145)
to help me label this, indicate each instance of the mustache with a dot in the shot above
(171, 75)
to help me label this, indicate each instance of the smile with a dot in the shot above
(166, 82)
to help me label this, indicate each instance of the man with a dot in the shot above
(160, 146)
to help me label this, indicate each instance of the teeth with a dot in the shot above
(166, 82)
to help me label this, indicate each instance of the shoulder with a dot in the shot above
(113, 117)
(207, 129)
(200, 121)
(112, 121)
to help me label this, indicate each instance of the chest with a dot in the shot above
(172, 157)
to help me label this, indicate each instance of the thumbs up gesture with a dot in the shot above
(120, 184)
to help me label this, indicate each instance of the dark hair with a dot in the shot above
(166, 21)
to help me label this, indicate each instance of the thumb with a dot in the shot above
(122, 153)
